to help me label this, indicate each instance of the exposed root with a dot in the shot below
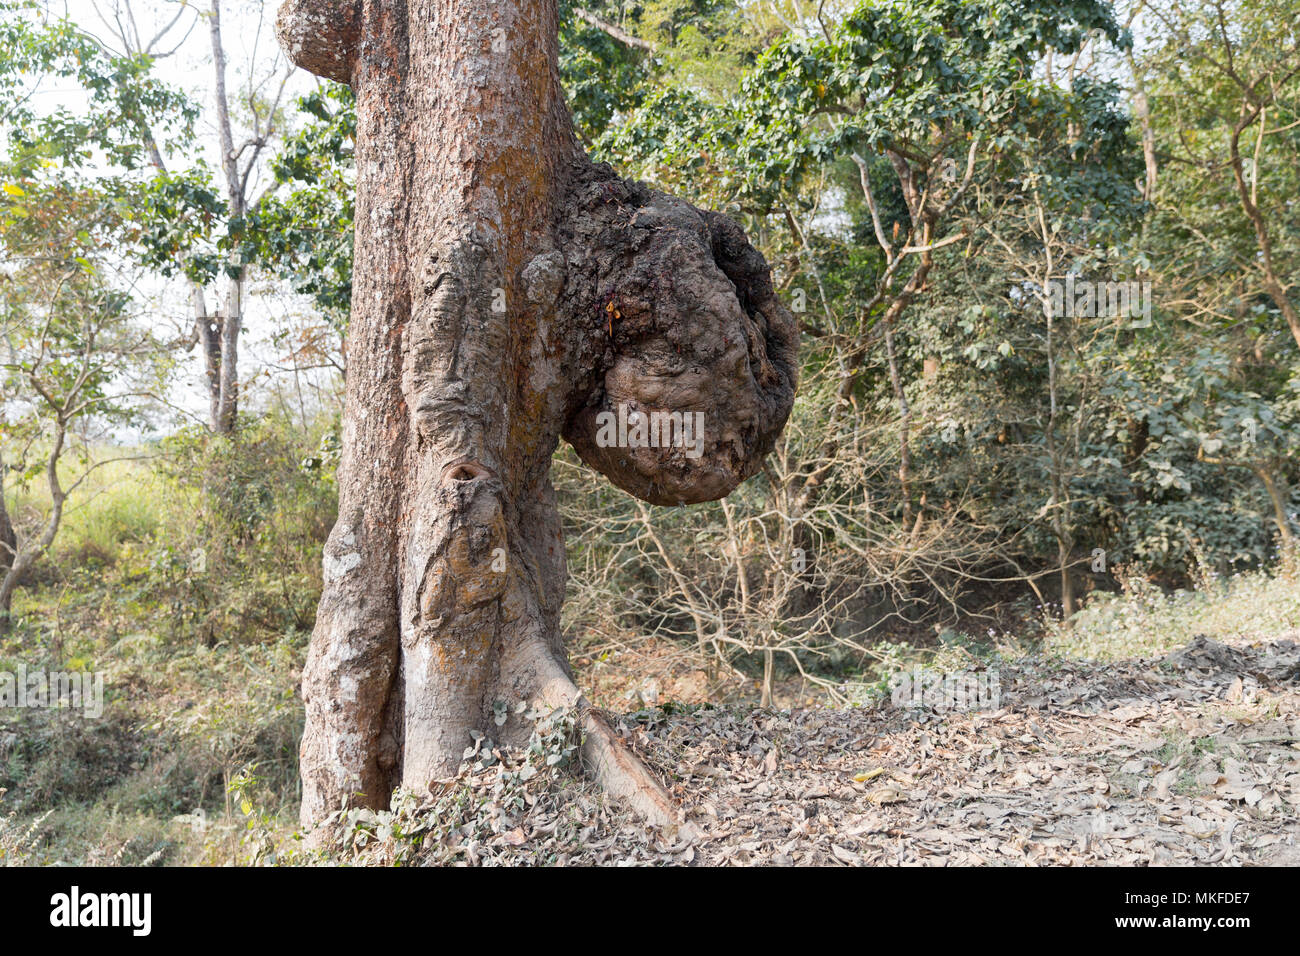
(610, 761)
(623, 775)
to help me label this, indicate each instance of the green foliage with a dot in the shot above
(239, 550)
(123, 98)
(306, 232)
(602, 75)
(98, 153)
(196, 609)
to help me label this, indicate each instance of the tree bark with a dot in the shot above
(506, 292)
(8, 552)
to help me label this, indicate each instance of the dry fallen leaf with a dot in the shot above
(887, 795)
(1101, 784)
(845, 856)
(868, 775)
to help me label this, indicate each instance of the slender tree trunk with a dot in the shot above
(1277, 496)
(1058, 504)
(506, 293)
(769, 679)
(208, 330)
(220, 333)
(1142, 108)
(8, 551)
(904, 422)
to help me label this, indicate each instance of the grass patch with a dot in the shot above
(1143, 621)
(116, 503)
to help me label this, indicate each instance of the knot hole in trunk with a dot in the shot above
(465, 470)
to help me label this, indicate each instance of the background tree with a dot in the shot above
(199, 224)
(1226, 95)
(74, 353)
(76, 360)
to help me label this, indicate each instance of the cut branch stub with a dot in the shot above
(699, 367)
(321, 36)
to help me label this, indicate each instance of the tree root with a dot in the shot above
(624, 776)
(613, 765)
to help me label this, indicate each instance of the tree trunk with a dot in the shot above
(506, 292)
(904, 422)
(219, 333)
(8, 552)
(1277, 496)
(1059, 506)
(207, 329)
(1142, 108)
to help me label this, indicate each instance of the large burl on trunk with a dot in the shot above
(506, 291)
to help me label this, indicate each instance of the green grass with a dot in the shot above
(1142, 621)
(118, 502)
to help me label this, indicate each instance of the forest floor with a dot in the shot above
(1151, 729)
(1191, 758)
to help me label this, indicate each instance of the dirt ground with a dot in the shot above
(1192, 759)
